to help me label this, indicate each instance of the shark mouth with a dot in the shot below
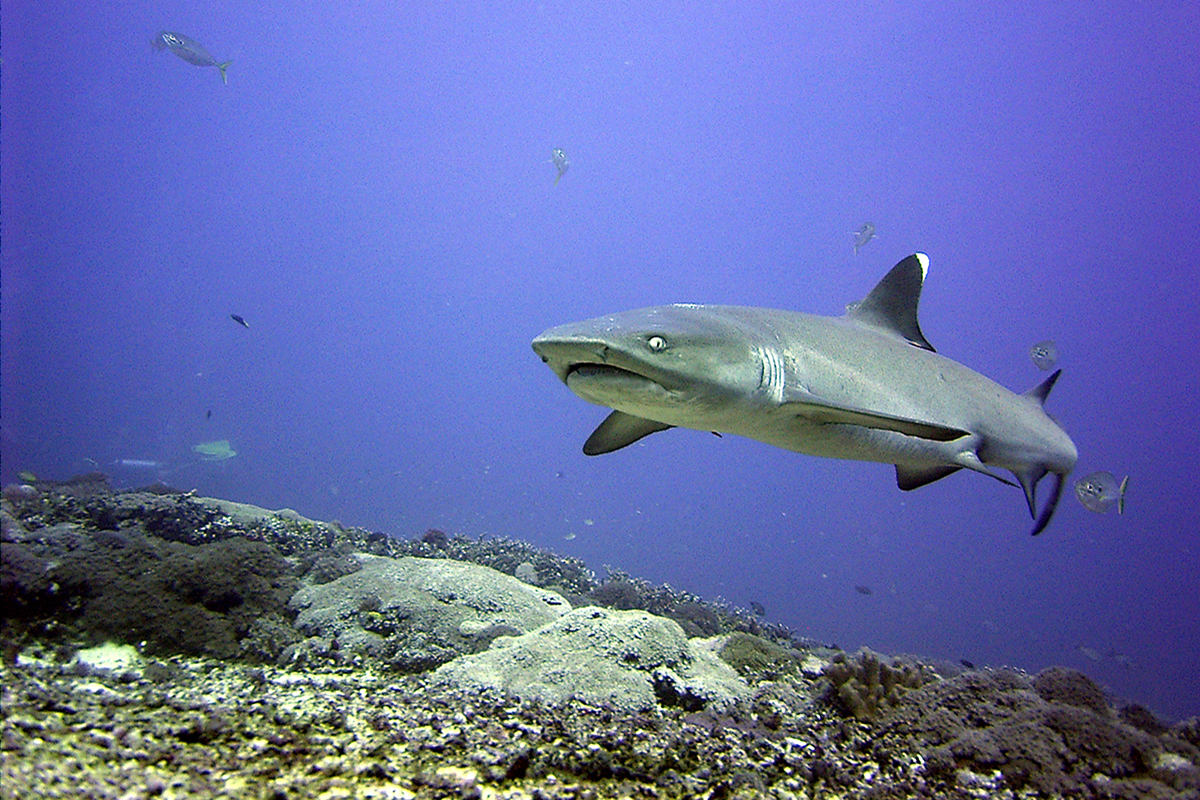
(593, 370)
(593, 374)
(618, 388)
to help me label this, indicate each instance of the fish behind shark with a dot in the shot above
(865, 386)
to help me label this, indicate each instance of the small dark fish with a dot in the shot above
(560, 162)
(1100, 491)
(966, 663)
(208, 414)
(189, 50)
(863, 235)
(239, 320)
(757, 608)
(1120, 658)
(1044, 355)
(863, 589)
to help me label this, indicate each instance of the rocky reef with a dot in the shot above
(159, 644)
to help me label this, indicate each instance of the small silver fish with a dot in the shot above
(863, 235)
(1100, 491)
(560, 163)
(189, 50)
(1044, 355)
(139, 463)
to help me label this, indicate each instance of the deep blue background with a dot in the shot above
(373, 192)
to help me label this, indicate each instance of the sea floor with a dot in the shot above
(149, 652)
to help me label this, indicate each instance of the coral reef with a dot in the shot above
(1070, 687)
(126, 585)
(867, 685)
(754, 656)
(1045, 734)
(629, 660)
(196, 693)
(416, 613)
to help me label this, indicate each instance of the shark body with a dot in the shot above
(865, 386)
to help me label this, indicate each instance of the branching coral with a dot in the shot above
(867, 685)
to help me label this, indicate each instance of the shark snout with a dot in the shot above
(562, 353)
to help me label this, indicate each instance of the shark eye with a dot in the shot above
(656, 343)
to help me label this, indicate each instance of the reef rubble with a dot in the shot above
(159, 644)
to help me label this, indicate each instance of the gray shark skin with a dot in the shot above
(865, 386)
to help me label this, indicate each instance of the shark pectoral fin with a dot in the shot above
(831, 414)
(909, 478)
(620, 430)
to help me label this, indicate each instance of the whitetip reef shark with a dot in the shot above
(865, 386)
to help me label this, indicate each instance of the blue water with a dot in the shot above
(373, 192)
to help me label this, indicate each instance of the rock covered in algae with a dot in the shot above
(416, 613)
(630, 660)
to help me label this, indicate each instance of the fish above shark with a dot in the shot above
(865, 386)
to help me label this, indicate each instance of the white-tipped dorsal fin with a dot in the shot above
(892, 304)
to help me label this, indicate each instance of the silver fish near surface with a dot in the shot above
(560, 163)
(190, 51)
(863, 235)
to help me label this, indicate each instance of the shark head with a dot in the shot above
(675, 365)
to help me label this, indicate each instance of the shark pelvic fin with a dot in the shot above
(909, 478)
(892, 304)
(620, 430)
(971, 461)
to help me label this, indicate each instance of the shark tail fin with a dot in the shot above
(1029, 481)
(1042, 390)
(223, 67)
